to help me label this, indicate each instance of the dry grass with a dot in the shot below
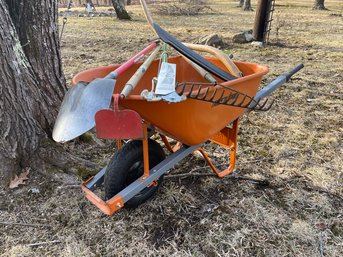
(300, 141)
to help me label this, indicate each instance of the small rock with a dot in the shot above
(212, 40)
(81, 15)
(243, 37)
(257, 43)
(34, 190)
(209, 208)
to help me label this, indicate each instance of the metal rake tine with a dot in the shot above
(191, 91)
(256, 103)
(241, 102)
(235, 98)
(183, 85)
(219, 98)
(205, 94)
(223, 100)
(269, 106)
(260, 107)
(248, 104)
(211, 98)
(226, 98)
(197, 94)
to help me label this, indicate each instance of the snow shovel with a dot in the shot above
(123, 124)
(82, 101)
(184, 50)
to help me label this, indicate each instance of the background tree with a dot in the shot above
(32, 86)
(241, 2)
(247, 5)
(319, 5)
(119, 7)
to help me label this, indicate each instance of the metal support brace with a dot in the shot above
(118, 201)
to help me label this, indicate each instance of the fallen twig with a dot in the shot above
(321, 244)
(44, 243)
(69, 186)
(24, 224)
(189, 174)
(262, 182)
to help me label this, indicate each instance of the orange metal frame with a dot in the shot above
(227, 138)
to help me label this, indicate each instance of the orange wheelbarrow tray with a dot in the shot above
(190, 122)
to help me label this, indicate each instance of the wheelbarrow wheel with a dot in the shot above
(127, 165)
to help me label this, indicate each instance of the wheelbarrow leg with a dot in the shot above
(227, 137)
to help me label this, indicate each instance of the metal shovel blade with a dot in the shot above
(79, 106)
(124, 124)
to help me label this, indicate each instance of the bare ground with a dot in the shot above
(296, 146)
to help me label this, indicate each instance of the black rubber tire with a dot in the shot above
(127, 165)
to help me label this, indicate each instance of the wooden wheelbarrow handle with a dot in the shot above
(228, 63)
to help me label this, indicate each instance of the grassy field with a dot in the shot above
(297, 146)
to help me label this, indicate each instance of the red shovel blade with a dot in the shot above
(124, 124)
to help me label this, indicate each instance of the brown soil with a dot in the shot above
(296, 146)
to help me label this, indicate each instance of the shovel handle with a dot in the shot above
(123, 67)
(131, 84)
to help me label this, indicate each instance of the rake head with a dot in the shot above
(221, 96)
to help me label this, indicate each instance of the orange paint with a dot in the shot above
(192, 121)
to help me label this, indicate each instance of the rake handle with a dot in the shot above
(276, 83)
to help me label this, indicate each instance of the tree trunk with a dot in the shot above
(119, 7)
(247, 5)
(241, 2)
(32, 86)
(319, 5)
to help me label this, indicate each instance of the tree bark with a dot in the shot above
(319, 5)
(37, 28)
(32, 86)
(119, 8)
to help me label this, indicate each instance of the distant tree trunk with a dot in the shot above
(241, 2)
(319, 5)
(247, 5)
(119, 8)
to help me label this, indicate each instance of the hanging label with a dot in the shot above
(166, 79)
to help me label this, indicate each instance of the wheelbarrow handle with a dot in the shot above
(292, 72)
(276, 83)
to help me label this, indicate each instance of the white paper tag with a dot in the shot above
(166, 79)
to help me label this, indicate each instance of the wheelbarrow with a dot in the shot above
(136, 170)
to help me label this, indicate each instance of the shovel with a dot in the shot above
(123, 124)
(184, 50)
(82, 101)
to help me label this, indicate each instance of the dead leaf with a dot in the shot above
(16, 181)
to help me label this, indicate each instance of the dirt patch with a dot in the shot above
(296, 146)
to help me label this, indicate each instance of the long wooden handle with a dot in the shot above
(229, 64)
(132, 83)
(148, 15)
(202, 48)
(206, 75)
